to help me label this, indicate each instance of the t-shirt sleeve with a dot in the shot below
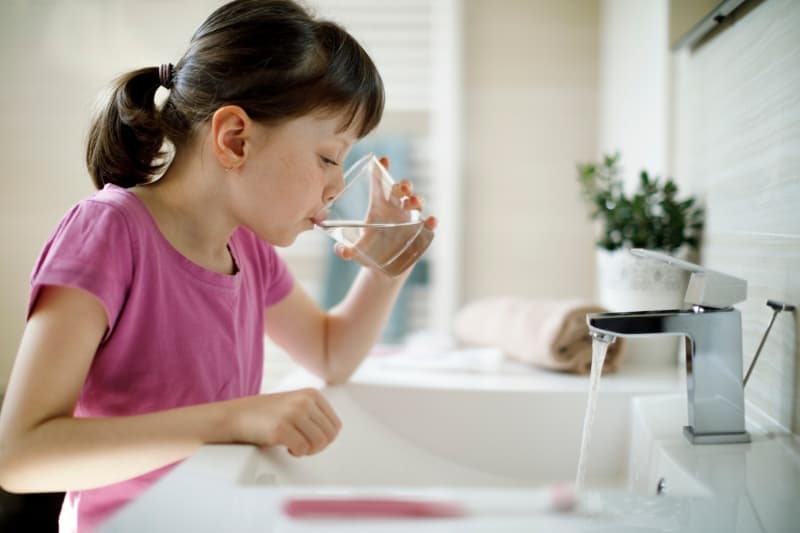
(279, 278)
(91, 249)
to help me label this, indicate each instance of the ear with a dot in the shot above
(231, 130)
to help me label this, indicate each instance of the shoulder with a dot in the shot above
(107, 230)
(110, 211)
(104, 218)
(118, 204)
(92, 248)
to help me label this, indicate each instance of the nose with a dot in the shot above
(335, 186)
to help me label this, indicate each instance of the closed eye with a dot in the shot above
(328, 161)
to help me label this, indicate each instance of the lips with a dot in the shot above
(321, 216)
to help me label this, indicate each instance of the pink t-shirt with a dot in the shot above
(178, 334)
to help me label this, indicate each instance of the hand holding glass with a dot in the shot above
(372, 217)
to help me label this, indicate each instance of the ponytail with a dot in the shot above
(126, 137)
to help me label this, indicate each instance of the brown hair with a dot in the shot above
(268, 56)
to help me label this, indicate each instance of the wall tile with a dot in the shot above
(737, 104)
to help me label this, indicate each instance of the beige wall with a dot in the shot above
(633, 85)
(537, 76)
(530, 106)
(56, 57)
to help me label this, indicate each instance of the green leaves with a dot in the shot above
(653, 217)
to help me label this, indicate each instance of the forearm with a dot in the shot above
(354, 326)
(68, 453)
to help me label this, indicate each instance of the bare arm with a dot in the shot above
(332, 345)
(44, 448)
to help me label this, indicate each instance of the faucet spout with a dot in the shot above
(638, 323)
(713, 339)
(599, 336)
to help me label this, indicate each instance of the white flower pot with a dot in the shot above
(627, 283)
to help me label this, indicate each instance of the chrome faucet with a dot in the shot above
(712, 329)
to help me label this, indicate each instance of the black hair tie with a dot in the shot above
(165, 73)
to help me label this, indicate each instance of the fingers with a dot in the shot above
(412, 202)
(330, 414)
(318, 429)
(314, 438)
(290, 436)
(431, 222)
(316, 421)
(402, 189)
(303, 421)
(343, 251)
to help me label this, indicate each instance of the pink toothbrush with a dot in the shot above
(370, 508)
(558, 498)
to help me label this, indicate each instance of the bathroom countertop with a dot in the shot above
(719, 488)
(499, 373)
(748, 487)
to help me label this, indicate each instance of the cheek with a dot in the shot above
(306, 184)
(295, 194)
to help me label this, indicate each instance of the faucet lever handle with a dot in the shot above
(777, 307)
(707, 287)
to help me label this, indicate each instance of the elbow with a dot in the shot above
(14, 476)
(333, 381)
(21, 481)
(333, 378)
(5, 467)
(7, 484)
(7, 472)
(337, 374)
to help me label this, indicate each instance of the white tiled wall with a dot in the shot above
(737, 144)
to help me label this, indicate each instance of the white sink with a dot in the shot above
(495, 441)
(736, 487)
(421, 436)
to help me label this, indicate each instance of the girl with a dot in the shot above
(149, 302)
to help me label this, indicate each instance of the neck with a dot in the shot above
(189, 206)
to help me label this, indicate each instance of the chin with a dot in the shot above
(282, 239)
(285, 236)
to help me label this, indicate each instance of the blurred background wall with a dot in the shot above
(490, 104)
(530, 112)
(521, 78)
(496, 101)
(57, 57)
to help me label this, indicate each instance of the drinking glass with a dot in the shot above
(367, 218)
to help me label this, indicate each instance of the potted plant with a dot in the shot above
(653, 217)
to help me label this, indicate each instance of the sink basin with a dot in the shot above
(494, 444)
(404, 435)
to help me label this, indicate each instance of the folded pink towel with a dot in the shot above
(547, 333)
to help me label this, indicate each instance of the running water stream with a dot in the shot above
(599, 348)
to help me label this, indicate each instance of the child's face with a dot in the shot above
(291, 171)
